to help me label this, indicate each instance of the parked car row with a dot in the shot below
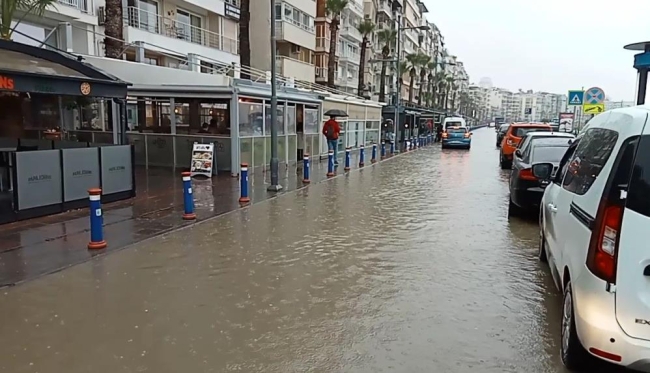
(594, 217)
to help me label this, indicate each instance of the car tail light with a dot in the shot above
(527, 174)
(467, 135)
(510, 142)
(603, 247)
(444, 135)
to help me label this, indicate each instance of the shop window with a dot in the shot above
(251, 119)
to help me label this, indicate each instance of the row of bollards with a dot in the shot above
(97, 241)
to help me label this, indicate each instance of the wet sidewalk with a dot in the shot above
(32, 248)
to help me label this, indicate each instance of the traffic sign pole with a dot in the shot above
(642, 66)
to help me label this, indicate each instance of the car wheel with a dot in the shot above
(513, 210)
(573, 355)
(541, 252)
(502, 162)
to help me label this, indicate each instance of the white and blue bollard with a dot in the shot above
(347, 159)
(188, 197)
(362, 156)
(97, 241)
(305, 169)
(373, 158)
(243, 179)
(383, 149)
(330, 163)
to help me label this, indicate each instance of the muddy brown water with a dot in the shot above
(408, 266)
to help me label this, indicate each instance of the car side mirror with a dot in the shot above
(543, 171)
(518, 153)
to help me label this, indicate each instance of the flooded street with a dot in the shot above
(408, 266)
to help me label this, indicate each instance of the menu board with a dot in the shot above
(202, 159)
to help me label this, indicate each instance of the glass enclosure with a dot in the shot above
(361, 127)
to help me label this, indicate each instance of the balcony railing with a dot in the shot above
(384, 6)
(158, 24)
(84, 6)
(353, 5)
(351, 31)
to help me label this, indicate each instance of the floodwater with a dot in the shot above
(408, 266)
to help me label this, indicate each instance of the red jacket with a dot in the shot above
(332, 126)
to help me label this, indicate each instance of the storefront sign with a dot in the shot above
(566, 122)
(202, 159)
(6, 83)
(232, 12)
(117, 169)
(80, 172)
(38, 178)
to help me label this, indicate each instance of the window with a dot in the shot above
(564, 163)
(188, 26)
(288, 12)
(278, 11)
(298, 18)
(551, 154)
(522, 131)
(639, 186)
(589, 159)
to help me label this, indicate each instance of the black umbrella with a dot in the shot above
(336, 113)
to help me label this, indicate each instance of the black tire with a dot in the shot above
(573, 354)
(541, 251)
(505, 164)
(513, 210)
(469, 147)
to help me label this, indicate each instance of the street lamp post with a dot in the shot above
(642, 66)
(275, 163)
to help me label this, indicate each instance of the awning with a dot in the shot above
(25, 68)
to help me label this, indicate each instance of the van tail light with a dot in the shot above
(445, 135)
(467, 135)
(527, 174)
(603, 246)
(510, 142)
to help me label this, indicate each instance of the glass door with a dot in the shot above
(189, 26)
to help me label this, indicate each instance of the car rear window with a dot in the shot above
(504, 128)
(522, 131)
(553, 153)
(457, 130)
(453, 124)
(590, 157)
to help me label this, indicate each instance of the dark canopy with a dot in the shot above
(25, 68)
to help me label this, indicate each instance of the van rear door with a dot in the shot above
(633, 255)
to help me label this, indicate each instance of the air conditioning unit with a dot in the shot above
(101, 16)
(295, 48)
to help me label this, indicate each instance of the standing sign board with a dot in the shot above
(575, 98)
(202, 159)
(566, 122)
(594, 101)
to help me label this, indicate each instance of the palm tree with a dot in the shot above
(365, 28)
(8, 9)
(403, 69)
(431, 87)
(387, 37)
(114, 29)
(449, 81)
(424, 63)
(413, 60)
(334, 9)
(245, 37)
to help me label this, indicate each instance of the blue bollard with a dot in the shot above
(373, 159)
(305, 169)
(330, 163)
(96, 220)
(188, 197)
(243, 178)
(347, 160)
(392, 148)
(362, 152)
(383, 149)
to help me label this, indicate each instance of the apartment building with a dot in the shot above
(167, 30)
(295, 34)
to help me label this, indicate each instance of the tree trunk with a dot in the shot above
(422, 90)
(362, 67)
(114, 29)
(382, 82)
(331, 64)
(411, 83)
(244, 37)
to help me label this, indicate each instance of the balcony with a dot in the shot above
(350, 32)
(81, 11)
(356, 7)
(322, 44)
(296, 34)
(296, 69)
(346, 56)
(321, 76)
(167, 34)
(384, 6)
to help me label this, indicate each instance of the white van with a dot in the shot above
(453, 122)
(594, 234)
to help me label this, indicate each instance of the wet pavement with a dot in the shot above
(409, 266)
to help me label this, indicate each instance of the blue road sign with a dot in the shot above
(594, 96)
(576, 98)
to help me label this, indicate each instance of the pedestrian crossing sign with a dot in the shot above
(576, 98)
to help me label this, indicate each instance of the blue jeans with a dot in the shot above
(334, 145)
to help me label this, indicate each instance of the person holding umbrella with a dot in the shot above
(332, 130)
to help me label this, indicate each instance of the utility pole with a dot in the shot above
(275, 163)
(398, 74)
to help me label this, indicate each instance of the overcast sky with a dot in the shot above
(551, 45)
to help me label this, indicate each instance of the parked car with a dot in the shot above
(595, 225)
(457, 137)
(526, 190)
(512, 138)
(531, 136)
(501, 132)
